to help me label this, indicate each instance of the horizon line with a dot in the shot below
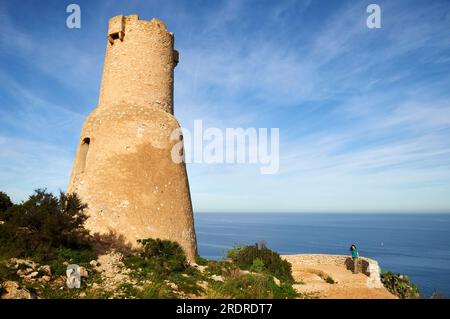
(329, 212)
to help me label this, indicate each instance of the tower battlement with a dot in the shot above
(139, 63)
(117, 25)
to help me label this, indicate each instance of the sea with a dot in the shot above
(417, 245)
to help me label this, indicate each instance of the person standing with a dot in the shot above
(355, 257)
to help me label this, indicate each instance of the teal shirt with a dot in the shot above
(355, 253)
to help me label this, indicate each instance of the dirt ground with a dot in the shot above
(312, 270)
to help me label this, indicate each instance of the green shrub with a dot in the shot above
(258, 265)
(161, 262)
(5, 203)
(157, 258)
(253, 287)
(6, 273)
(76, 256)
(244, 257)
(156, 291)
(81, 256)
(188, 284)
(199, 260)
(165, 256)
(219, 267)
(43, 223)
(400, 285)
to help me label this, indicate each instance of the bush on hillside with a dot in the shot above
(259, 286)
(399, 285)
(164, 256)
(42, 224)
(259, 257)
(199, 260)
(5, 203)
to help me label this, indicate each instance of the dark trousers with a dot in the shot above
(355, 265)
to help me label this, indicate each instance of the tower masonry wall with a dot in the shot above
(123, 169)
(139, 63)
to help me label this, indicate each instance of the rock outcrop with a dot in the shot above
(14, 291)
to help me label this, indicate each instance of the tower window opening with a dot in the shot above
(115, 36)
(84, 149)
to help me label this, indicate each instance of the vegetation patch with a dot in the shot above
(163, 267)
(41, 236)
(329, 280)
(41, 225)
(260, 258)
(400, 285)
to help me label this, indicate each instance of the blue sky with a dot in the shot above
(364, 115)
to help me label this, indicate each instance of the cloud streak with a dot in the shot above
(363, 114)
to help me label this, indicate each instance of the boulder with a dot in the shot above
(14, 291)
(33, 274)
(201, 268)
(173, 286)
(217, 278)
(277, 281)
(29, 270)
(203, 284)
(16, 263)
(83, 272)
(46, 269)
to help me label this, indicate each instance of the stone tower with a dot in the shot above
(123, 168)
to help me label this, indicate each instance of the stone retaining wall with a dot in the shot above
(367, 266)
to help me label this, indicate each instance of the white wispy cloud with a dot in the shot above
(395, 131)
(27, 165)
(363, 114)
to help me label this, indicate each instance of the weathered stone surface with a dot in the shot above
(201, 268)
(276, 281)
(83, 272)
(14, 291)
(33, 274)
(173, 286)
(16, 263)
(217, 278)
(46, 269)
(112, 270)
(123, 168)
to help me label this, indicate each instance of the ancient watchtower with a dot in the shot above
(123, 168)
